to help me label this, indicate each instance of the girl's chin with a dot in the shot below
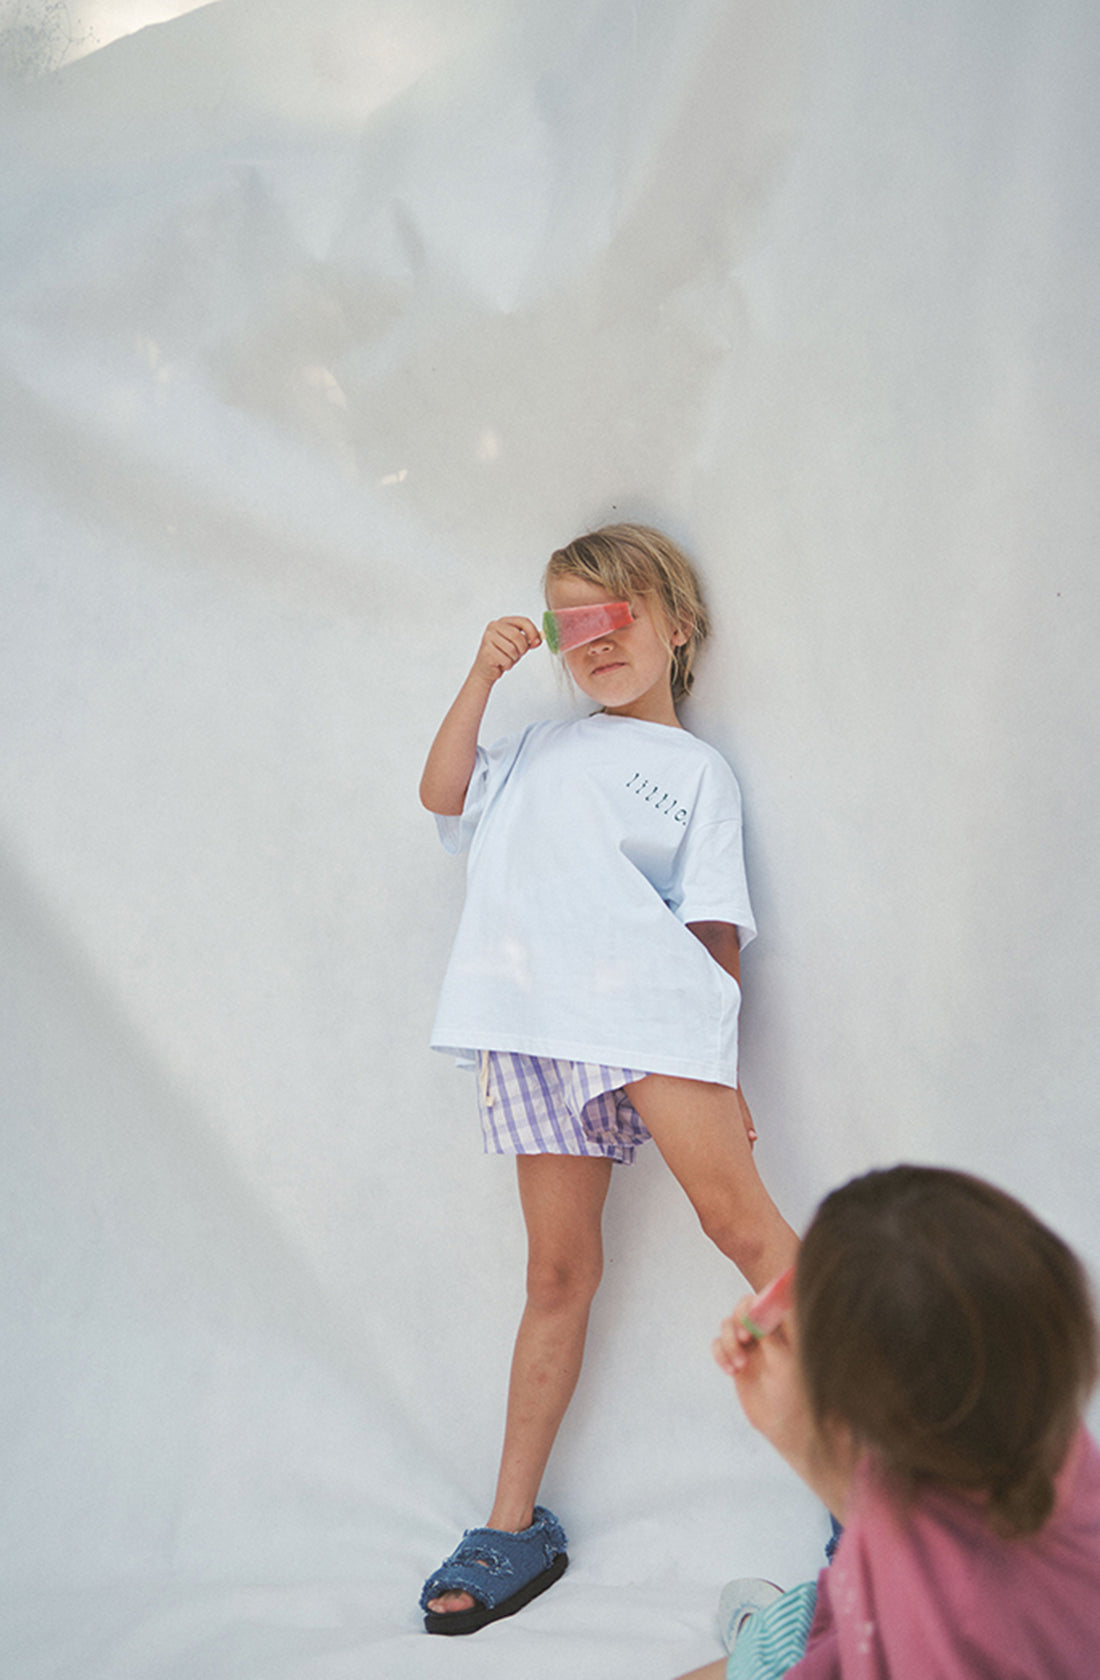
(603, 694)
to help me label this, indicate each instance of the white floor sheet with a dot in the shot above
(321, 324)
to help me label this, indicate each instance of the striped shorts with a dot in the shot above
(538, 1105)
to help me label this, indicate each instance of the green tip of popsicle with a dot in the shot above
(571, 627)
(767, 1312)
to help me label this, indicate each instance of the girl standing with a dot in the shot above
(595, 981)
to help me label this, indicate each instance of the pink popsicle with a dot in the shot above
(571, 627)
(770, 1307)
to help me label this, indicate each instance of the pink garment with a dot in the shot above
(930, 1593)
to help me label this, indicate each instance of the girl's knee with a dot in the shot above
(563, 1283)
(737, 1236)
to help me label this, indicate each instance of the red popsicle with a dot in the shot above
(571, 627)
(767, 1312)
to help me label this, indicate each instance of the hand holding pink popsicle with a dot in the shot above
(571, 627)
(753, 1320)
(766, 1312)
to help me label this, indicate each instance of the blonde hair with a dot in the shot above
(637, 560)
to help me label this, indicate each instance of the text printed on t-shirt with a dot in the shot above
(663, 802)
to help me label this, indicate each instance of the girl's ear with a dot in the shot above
(680, 636)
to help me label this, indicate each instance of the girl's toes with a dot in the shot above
(449, 1602)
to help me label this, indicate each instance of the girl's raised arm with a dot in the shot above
(450, 762)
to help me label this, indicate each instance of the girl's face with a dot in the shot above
(626, 672)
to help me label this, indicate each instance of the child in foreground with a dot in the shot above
(594, 980)
(929, 1384)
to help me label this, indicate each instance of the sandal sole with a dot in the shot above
(469, 1621)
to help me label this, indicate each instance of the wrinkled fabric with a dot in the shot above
(531, 1106)
(322, 323)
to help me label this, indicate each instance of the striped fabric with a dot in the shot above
(774, 1639)
(537, 1105)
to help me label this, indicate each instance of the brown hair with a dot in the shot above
(631, 560)
(951, 1331)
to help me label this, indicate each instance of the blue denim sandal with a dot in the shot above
(502, 1571)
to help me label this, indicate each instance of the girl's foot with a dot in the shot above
(450, 1603)
(516, 1567)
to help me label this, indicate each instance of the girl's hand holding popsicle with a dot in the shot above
(755, 1347)
(766, 1311)
(503, 645)
(754, 1318)
(758, 1348)
(506, 640)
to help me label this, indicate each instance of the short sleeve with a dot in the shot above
(455, 833)
(710, 884)
(491, 766)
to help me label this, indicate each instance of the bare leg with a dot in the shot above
(700, 1130)
(562, 1197)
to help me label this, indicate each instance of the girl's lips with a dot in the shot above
(611, 665)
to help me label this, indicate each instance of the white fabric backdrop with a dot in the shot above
(322, 323)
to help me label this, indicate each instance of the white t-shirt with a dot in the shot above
(591, 845)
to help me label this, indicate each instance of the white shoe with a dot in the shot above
(738, 1601)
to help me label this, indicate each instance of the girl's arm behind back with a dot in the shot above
(721, 940)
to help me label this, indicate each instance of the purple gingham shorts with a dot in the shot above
(538, 1105)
